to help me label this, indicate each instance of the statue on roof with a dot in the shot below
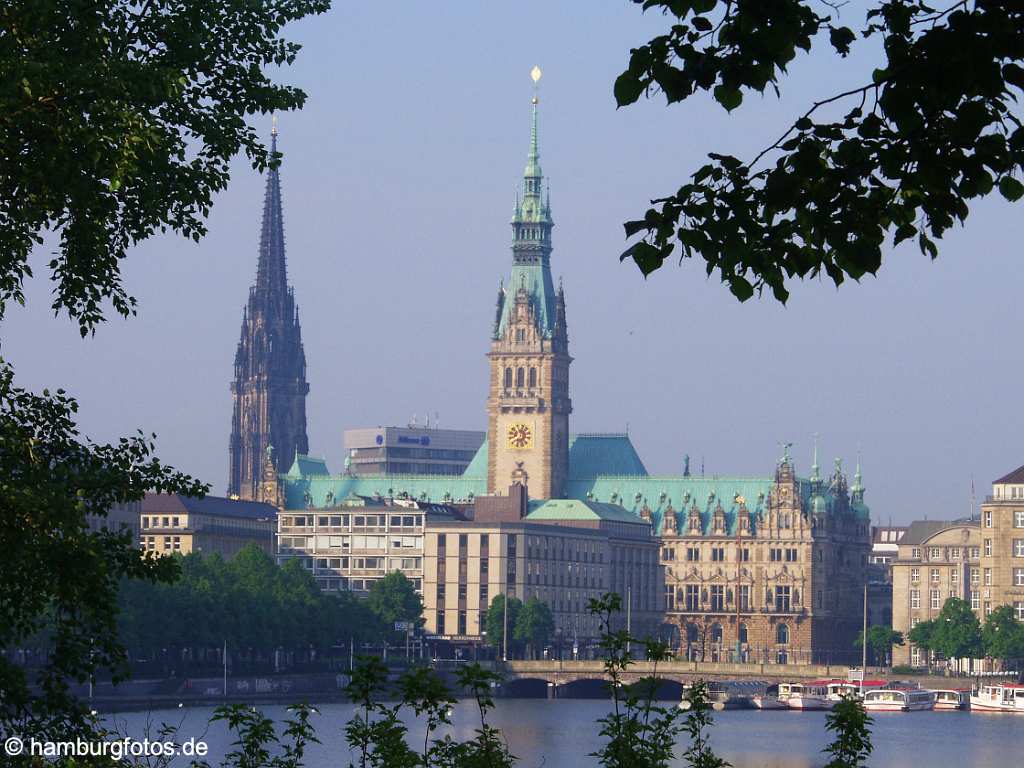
(686, 465)
(785, 452)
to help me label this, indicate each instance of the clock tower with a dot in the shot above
(528, 405)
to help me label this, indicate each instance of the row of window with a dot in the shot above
(161, 522)
(522, 378)
(1018, 516)
(170, 543)
(358, 521)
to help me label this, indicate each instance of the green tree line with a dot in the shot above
(956, 633)
(257, 607)
(530, 625)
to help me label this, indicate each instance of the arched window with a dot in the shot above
(743, 633)
(520, 377)
(782, 634)
(691, 633)
(533, 377)
(716, 633)
(508, 378)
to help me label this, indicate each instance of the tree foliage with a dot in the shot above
(377, 735)
(898, 157)
(394, 598)
(58, 577)
(881, 639)
(118, 119)
(1002, 635)
(249, 602)
(954, 634)
(494, 623)
(534, 625)
(852, 728)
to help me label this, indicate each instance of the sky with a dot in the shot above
(399, 178)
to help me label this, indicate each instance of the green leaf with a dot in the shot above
(647, 257)
(1010, 188)
(628, 88)
(1014, 75)
(730, 98)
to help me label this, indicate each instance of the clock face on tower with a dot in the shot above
(519, 436)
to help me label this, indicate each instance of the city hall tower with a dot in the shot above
(528, 403)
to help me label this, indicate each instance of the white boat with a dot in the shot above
(999, 697)
(842, 689)
(774, 697)
(947, 699)
(812, 695)
(899, 700)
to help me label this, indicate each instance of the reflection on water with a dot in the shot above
(563, 733)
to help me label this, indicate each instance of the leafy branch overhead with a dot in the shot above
(898, 157)
(118, 119)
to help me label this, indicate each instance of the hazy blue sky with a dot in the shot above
(398, 180)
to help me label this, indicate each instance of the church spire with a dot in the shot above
(269, 388)
(271, 272)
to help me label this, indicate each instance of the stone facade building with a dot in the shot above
(937, 560)
(783, 584)
(172, 523)
(1002, 549)
(269, 389)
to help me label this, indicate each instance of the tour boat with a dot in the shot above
(947, 699)
(812, 695)
(999, 697)
(841, 689)
(899, 700)
(774, 697)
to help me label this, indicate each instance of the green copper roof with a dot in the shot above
(306, 466)
(478, 466)
(593, 455)
(576, 509)
(605, 472)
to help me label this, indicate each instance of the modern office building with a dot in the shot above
(412, 450)
(350, 544)
(563, 552)
(172, 523)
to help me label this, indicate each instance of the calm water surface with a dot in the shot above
(562, 733)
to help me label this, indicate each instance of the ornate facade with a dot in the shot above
(781, 584)
(269, 389)
(528, 403)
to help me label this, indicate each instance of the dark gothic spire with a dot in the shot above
(271, 274)
(269, 389)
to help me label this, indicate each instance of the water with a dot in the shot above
(561, 734)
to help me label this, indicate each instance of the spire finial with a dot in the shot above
(815, 469)
(533, 164)
(273, 123)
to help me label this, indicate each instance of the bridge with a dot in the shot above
(587, 678)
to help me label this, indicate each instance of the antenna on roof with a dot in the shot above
(972, 495)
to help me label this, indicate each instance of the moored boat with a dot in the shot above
(999, 697)
(899, 700)
(774, 697)
(808, 696)
(947, 699)
(841, 689)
